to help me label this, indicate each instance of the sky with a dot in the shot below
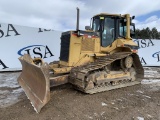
(61, 14)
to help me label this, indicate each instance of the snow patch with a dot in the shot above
(119, 100)
(9, 80)
(154, 84)
(112, 103)
(95, 114)
(150, 71)
(3, 92)
(8, 98)
(140, 118)
(116, 108)
(104, 104)
(130, 94)
(89, 117)
(150, 81)
(139, 91)
(146, 96)
(150, 116)
(9, 89)
(102, 113)
(17, 91)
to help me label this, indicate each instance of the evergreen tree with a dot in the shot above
(146, 33)
(137, 33)
(154, 33)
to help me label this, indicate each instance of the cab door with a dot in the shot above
(108, 31)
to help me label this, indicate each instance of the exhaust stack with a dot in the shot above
(77, 26)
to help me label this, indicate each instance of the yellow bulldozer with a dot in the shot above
(101, 58)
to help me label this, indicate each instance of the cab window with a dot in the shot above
(96, 24)
(108, 34)
(122, 28)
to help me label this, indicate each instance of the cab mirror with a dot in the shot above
(133, 17)
(132, 30)
(87, 28)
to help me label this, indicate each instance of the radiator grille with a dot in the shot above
(65, 44)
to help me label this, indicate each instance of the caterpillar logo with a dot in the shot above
(36, 51)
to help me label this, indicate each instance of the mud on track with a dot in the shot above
(132, 103)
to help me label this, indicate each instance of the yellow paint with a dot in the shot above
(113, 76)
(84, 49)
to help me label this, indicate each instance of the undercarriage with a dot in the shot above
(118, 70)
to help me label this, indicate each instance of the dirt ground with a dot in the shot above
(139, 102)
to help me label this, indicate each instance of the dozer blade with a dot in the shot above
(34, 80)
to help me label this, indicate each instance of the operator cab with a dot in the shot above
(110, 27)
